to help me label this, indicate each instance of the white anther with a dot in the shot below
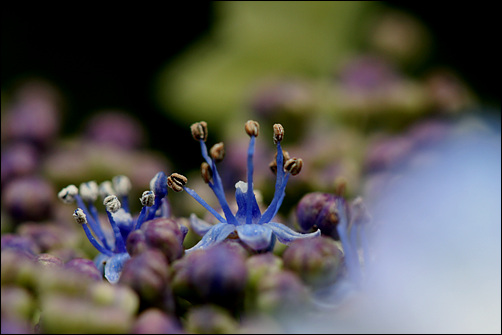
(79, 216)
(112, 203)
(147, 198)
(89, 191)
(121, 185)
(106, 189)
(67, 194)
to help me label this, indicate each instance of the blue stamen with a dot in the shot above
(93, 220)
(217, 186)
(119, 241)
(95, 243)
(204, 204)
(280, 187)
(251, 200)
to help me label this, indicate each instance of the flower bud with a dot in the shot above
(319, 210)
(217, 275)
(280, 292)
(210, 319)
(147, 274)
(317, 261)
(84, 267)
(155, 321)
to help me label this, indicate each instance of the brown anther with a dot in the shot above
(176, 182)
(278, 133)
(206, 172)
(273, 164)
(199, 130)
(217, 152)
(293, 166)
(252, 128)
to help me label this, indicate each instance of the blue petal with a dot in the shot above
(114, 265)
(287, 235)
(100, 261)
(256, 236)
(215, 235)
(199, 226)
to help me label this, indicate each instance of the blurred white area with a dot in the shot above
(437, 266)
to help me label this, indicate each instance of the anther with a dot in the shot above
(79, 216)
(89, 191)
(252, 128)
(217, 152)
(176, 182)
(293, 166)
(147, 198)
(199, 130)
(121, 185)
(278, 133)
(206, 172)
(112, 203)
(67, 194)
(273, 164)
(106, 189)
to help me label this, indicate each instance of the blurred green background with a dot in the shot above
(191, 61)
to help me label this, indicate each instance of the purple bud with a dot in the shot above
(29, 198)
(115, 128)
(49, 260)
(147, 273)
(163, 234)
(84, 267)
(155, 321)
(216, 275)
(280, 292)
(18, 159)
(317, 261)
(21, 243)
(319, 210)
(210, 319)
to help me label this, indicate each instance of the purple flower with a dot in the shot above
(255, 229)
(113, 252)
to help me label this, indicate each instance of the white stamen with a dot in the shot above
(67, 194)
(112, 203)
(122, 185)
(89, 191)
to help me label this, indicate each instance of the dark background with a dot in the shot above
(108, 58)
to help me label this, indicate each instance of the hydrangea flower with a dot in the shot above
(254, 228)
(113, 253)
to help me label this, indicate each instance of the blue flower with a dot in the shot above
(253, 227)
(113, 253)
